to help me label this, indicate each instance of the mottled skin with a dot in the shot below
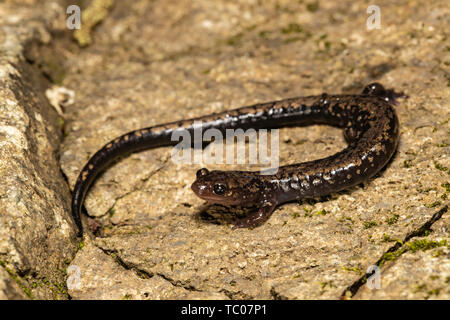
(370, 127)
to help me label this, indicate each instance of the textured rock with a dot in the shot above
(421, 272)
(109, 278)
(36, 232)
(170, 60)
(156, 61)
(9, 289)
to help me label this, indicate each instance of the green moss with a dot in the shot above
(437, 253)
(357, 270)
(323, 44)
(440, 167)
(419, 287)
(387, 238)
(59, 289)
(390, 221)
(369, 224)
(92, 15)
(310, 201)
(111, 211)
(391, 256)
(413, 246)
(433, 204)
(428, 293)
(345, 218)
(325, 284)
(57, 72)
(234, 40)
(425, 244)
(295, 33)
(446, 186)
(295, 215)
(322, 212)
(60, 122)
(264, 34)
(17, 279)
(292, 28)
(407, 163)
(432, 292)
(312, 7)
(292, 39)
(127, 297)
(63, 271)
(134, 232)
(307, 212)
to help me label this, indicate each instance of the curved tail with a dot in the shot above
(102, 159)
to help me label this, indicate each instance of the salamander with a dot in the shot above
(371, 130)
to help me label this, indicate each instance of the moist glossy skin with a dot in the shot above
(370, 127)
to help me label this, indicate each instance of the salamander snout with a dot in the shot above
(211, 186)
(223, 187)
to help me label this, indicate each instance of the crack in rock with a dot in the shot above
(136, 188)
(143, 274)
(351, 290)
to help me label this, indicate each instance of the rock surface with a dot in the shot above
(421, 272)
(109, 278)
(37, 238)
(167, 60)
(152, 62)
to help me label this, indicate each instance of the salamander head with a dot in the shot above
(227, 187)
(388, 95)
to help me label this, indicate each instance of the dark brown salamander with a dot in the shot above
(370, 128)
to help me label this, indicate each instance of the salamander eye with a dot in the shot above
(220, 189)
(202, 172)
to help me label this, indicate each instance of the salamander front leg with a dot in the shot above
(257, 218)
